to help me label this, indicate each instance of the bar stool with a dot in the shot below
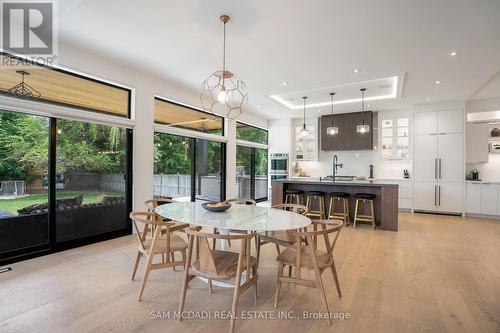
(294, 194)
(344, 213)
(319, 198)
(364, 198)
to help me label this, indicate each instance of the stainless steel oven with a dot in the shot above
(279, 166)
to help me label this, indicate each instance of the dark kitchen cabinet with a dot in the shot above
(347, 138)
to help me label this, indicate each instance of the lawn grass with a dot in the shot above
(12, 205)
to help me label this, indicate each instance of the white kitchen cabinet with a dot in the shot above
(425, 157)
(394, 137)
(450, 157)
(439, 161)
(425, 196)
(449, 197)
(473, 198)
(450, 121)
(426, 123)
(306, 147)
(476, 142)
(489, 199)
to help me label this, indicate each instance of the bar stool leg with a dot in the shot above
(356, 213)
(346, 211)
(322, 207)
(372, 214)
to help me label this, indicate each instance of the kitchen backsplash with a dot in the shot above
(487, 171)
(356, 163)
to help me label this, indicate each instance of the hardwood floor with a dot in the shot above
(437, 274)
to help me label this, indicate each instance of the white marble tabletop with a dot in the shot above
(238, 217)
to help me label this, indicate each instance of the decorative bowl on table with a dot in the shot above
(216, 207)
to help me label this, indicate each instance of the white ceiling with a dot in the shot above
(308, 44)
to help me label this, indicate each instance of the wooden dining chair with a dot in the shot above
(164, 244)
(223, 266)
(283, 238)
(236, 201)
(307, 255)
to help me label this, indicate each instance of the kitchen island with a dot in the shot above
(385, 203)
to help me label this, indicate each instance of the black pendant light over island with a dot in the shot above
(363, 128)
(332, 130)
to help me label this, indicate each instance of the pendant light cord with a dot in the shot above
(304, 124)
(331, 94)
(363, 104)
(224, 57)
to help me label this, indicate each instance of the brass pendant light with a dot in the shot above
(223, 92)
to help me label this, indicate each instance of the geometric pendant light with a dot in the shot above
(223, 92)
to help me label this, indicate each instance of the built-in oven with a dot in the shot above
(279, 165)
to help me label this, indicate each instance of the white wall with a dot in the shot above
(145, 86)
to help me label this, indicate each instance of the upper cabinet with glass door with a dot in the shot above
(306, 146)
(394, 138)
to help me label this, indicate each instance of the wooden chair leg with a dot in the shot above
(209, 285)
(289, 271)
(183, 254)
(186, 275)
(254, 273)
(172, 256)
(257, 249)
(319, 282)
(145, 277)
(236, 293)
(278, 285)
(336, 278)
(137, 259)
(277, 248)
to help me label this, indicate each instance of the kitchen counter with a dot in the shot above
(385, 203)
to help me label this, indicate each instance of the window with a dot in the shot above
(188, 169)
(24, 146)
(176, 115)
(251, 173)
(62, 87)
(250, 133)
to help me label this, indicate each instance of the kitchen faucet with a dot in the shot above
(335, 166)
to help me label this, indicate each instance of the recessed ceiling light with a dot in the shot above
(319, 111)
(453, 53)
(438, 82)
(356, 70)
(428, 99)
(285, 83)
(258, 106)
(369, 105)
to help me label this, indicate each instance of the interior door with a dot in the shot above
(426, 157)
(451, 157)
(425, 196)
(450, 197)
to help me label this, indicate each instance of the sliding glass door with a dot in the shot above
(24, 147)
(91, 191)
(251, 173)
(188, 169)
(63, 183)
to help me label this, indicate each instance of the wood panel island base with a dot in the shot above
(386, 201)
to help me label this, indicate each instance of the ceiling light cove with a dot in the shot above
(378, 89)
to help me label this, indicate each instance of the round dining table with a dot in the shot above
(238, 217)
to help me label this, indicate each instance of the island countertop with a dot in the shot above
(317, 181)
(385, 203)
